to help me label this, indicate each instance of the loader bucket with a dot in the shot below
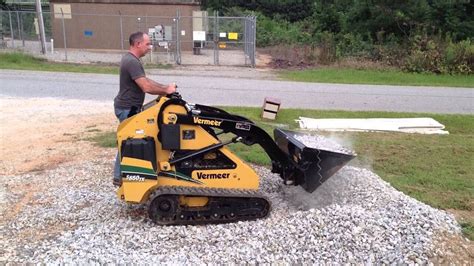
(314, 165)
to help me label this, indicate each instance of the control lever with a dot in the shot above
(174, 95)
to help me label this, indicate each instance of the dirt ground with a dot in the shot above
(40, 134)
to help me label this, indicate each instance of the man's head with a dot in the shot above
(140, 43)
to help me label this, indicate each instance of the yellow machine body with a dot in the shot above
(136, 189)
(173, 158)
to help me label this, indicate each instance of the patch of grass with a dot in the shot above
(158, 66)
(468, 229)
(106, 139)
(383, 77)
(435, 169)
(252, 153)
(22, 61)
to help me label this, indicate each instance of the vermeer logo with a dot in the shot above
(200, 121)
(213, 176)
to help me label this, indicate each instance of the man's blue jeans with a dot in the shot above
(121, 114)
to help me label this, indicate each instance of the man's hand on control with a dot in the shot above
(171, 88)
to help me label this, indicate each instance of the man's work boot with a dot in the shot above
(117, 182)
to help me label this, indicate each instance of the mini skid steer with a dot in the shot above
(174, 159)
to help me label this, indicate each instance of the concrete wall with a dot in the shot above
(97, 25)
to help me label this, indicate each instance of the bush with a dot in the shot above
(459, 57)
(425, 56)
(271, 32)
(352, 45)
(291, 56)
(390, 52)
(434, 55)
(327, 45)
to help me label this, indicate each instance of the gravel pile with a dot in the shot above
(73, 216)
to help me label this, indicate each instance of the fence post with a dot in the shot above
(216, 38)
(145, 31)
(22, 30)
(18, 25)
(39, 14)
(11, 28)
(121, 30)
(245, 39)
(254, 46)
(64, 33)
(146, 23)
(178, 42)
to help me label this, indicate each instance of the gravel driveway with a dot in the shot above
(66, 211)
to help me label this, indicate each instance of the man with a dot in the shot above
(134, 84)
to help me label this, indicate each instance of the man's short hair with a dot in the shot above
(135, 38)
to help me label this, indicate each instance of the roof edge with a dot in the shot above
(139, 2)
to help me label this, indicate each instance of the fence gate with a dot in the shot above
(218, 40)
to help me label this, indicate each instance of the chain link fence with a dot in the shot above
(187, 40)
(17, 28)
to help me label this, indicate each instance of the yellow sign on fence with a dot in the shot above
(233, 35)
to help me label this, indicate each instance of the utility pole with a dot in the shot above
(39, 14)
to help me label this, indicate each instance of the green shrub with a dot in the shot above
(425, 56)
(391, 52)
(271, 32)
(459, 57)
(433, 55)
(352, 45)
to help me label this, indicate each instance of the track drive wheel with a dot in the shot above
(163, 209)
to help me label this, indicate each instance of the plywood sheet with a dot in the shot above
(421, 125)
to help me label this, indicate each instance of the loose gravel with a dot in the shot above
(323, 143)
(73, 216)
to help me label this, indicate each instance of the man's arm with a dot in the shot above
(149, 86)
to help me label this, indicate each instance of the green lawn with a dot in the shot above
(23, 61)
(435, 169)
(387, 77)
(27, 62)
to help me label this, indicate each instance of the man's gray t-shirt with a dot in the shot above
(130, 93)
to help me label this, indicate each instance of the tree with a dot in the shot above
(290, 10)
(455, 18)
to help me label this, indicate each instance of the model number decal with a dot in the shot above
(242, 126)
(135, 178)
